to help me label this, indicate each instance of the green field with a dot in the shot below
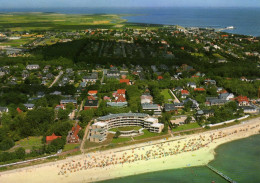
(218, 56)
(68, 147)
(29, 142)
(166, 95)
(120, 140)
(53, 21)
(146, 134)
(186, 127)
(127, 128)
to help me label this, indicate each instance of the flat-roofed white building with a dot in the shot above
(99, 129)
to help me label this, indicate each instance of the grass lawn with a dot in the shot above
(147, 134)
(166, 95)
(68, 147)
(218, 56)
(186, 127)
(127, 128)
(120, 140)
(198, 54)
(30, 142)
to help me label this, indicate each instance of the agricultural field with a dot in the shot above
(53, 21)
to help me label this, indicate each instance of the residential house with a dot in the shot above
(92, 92)
(73, 134)
(91, 104)
(242, 100)
(184, 93)
(25, 74)
(250, 109)
(191, 85)
(127, 81)
(29, 106)
(49, 139)
(170, 108)
(206, 113)
(3, 110)
(67, 101)
(210, 82)
(195, 104)
(32, 67)
(146, 99)
(155, 108)
(91, 78)
(226, 96)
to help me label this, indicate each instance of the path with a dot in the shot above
(84, 138)
(56, 79)
(175, 98)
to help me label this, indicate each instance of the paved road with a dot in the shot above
(56, 79)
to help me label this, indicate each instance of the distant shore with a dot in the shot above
(192, 150)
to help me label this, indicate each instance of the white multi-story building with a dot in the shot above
(99, 129)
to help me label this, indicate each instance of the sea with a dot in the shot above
(245, 20)
(239, 160)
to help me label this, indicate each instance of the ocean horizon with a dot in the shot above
(245, 20)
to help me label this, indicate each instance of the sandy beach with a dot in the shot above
(176, 152)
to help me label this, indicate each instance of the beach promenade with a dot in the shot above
(176, 152)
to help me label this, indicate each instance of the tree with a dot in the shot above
(117, 134)
(188, 120)
(20, 153)
(63, 114)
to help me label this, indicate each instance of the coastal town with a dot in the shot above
(65, 93)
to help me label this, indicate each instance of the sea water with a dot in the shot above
(239, 160)
(245, 20)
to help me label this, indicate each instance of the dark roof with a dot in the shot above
(169, 107)
(91, 103)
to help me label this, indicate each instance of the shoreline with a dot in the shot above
(175, 153)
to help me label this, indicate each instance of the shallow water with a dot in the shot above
(240, 160)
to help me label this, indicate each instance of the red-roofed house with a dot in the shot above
(73, 134)
(107, 98)
(127, 81)
(19, 110)
(159, 77)
(184, 93)
(61, 106)
(51, 138)
(199, 89)
(91, 97)
(242, 100)
(121, 91)
(119, 95)
(92, 92)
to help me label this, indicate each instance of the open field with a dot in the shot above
(166, 95)
(29, 143)
(186, 127)
(51, 21)
(120, 140)
(148, 134)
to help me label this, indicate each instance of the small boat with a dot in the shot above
(230, 27)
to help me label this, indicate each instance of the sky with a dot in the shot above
(127, 3)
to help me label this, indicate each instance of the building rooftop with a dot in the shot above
(111, 116)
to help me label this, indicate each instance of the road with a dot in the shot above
(56, 79)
